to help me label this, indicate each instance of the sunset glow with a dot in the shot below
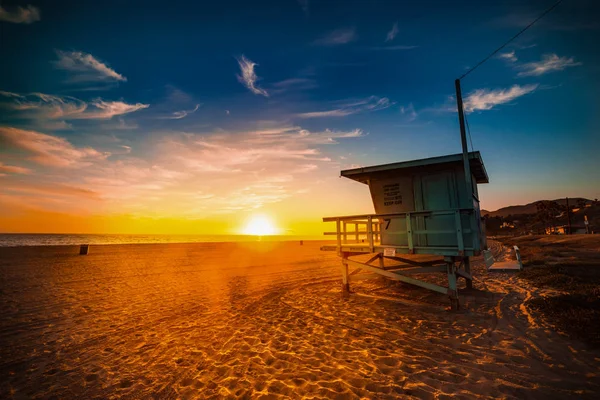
(299, 199)
(260, 225)
(91, 143)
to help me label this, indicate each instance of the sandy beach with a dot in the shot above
(267, 320)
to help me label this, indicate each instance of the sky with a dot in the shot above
(192, 117)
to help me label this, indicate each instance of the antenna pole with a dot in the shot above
(463, 139)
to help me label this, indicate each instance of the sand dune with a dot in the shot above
(254, 320)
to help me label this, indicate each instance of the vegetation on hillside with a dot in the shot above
(542, 216)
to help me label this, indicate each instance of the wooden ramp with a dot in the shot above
(505, 266)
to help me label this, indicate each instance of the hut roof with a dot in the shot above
(365, 173)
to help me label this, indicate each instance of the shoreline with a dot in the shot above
(225, 239)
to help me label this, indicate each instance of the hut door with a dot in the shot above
(439, 193)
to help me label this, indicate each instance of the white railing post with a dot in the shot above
(339, 236)
(370, 233)
(518, 255)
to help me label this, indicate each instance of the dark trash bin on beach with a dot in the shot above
(84, 249)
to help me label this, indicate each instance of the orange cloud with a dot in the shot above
(47, 149)
(13, 169)
(47, 106)
(52, 189)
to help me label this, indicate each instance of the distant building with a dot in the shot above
(564, 230)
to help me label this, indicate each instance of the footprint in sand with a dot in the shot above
(187, 382)
(125, 383)
(52, 371)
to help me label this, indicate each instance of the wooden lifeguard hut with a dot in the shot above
(423, 207)
(427, 207)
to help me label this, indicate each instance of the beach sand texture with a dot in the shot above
(219, 320)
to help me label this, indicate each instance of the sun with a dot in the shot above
(260, 225)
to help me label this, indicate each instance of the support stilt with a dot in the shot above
(452, 287)
(345, 276)
(467, 262)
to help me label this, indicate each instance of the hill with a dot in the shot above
(530, 208)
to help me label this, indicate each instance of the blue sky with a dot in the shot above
(147, 109)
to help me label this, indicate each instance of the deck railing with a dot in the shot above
(368, 229)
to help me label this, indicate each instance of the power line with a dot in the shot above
(512, 38)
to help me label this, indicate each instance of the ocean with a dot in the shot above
(42, 239)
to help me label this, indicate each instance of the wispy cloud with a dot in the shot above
(508, 56)
(86, 68)
(43, 105)
(20, 15)
(248, 77)
(392, 48)
(296, 134)
(294, 84)
(119, 124)
(548, 63)
(486, 99)
(100, 109)
(582, 21)
(55, 189)
(47, 149)
(372, 103)
(55, 125)
(305, 5)
(13, 169)
(183, 113)
(337, 37)
(409, 112)
(40, 105)
(392, 33)
(241, 170)
(237, 170)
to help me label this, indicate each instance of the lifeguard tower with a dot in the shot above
(423, 207)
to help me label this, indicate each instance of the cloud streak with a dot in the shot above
(369, 104)
(100, 109)
(55, 189)
(486, 99)
(294, 84)
(237, 171)
(86, 68)
(337, 37)
(46, 106)
(304, 4)
(183, 113)
(394, 48)
(508, 56)
(248, 77)
(391, 35)
(13, 169)
(20, 15)
(409, 112)
(548, 63)
(48, 150)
